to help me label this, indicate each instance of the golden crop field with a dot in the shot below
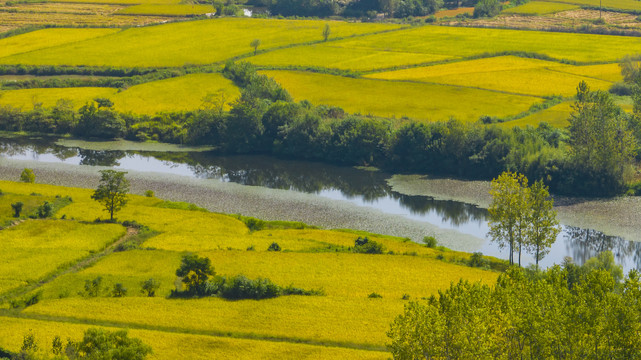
(122, 2)
(540, 8)
(606, 72)
(395, 99)
(27, 98)
(506, 73)
(174, 94)
(607, 4)
(35, 248)
(556, 116)
(457, 42)
(193, 42)
(167, 10)
(453, 12)
(42, 39)
(30, 203)
(171, 346)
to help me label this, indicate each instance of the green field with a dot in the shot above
(556, 116)
(342, 323)
(122, 2)
(540, 8)
(506, 73)
(166, 10)
(194, 42)
(395, 99)
(607, 4)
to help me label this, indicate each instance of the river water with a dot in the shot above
(364, 188)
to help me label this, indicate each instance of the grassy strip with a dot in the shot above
(132, 236)
(227, 334)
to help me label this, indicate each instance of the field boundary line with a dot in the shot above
(175, 330)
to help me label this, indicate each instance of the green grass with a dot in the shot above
(42, 39)
(540, 8)
(27, 98)
(175, 94)
(505, 73)
(166, 10)
(194, 42)
(396, 99)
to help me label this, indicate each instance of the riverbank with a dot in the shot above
(619, 216)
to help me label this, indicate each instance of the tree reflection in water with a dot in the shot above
(583, 244)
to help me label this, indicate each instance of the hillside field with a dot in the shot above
(342, 322)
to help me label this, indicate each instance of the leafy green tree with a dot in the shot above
(27, 176)
(17, 208)
(195, 271)
(101, 122)
(509, 211)
(326, 32)
(93, 287)
(487, 8)
(112, 191)
(602, 146)
(100, 344)
(255, 44)
(45, 210)
(149, 287)
(119, 290)
(543, 226)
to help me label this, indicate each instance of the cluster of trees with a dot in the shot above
(566, 312)
(96, 344)
(266, 120)
(200, 279)
(521, 217)
(95, 288)
(356, 8)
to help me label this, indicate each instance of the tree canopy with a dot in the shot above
(112, 191)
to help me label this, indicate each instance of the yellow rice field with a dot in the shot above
(431, 102)
(175, 94)
(540, 8)
(507, 73)
(167, 10)
(26, 99)
(47, 38)
(171, 346)
(193, 42)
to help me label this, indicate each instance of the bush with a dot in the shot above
(620, 88)
(45, 210)
(366, 246)
(17, 208)
(149, 287)
(27, 176)
(487, 8)
(93, 287)
(374, 295)
(119, 290)
(241, 287)
(477, 260)
(149, 193)
(274, 247)
(430, 241)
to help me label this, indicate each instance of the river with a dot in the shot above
(321, 194)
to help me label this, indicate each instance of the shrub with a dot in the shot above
(27, 176)
(405, 297)
(477, 260)
(274, 247)
(241, 287)
(119, 290)
(620, 88)
(93, 287)
(45, 210)
(430, 241)
(149, 193)
(375, 295)
(366, 246)
(149, 287)
(17, 208)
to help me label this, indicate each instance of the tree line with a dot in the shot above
(565, 312)
(592, 157)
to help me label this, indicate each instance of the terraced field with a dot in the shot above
(395, 98)
(344, 322)
(540, 8)
(27, 98)
(507, 74)
(167, 10)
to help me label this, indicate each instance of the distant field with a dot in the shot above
(540, 8)
(508, 73)
(122, 2)
(26, 98)
(194, 42)
(607, 72)
(390, 98)
(42, 39)
(171, 346)
(175, 94)
(454, 12)
(433, 43)
(167, 10)
(607, 4)
(556, 116)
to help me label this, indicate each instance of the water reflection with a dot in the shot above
(363, 188)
